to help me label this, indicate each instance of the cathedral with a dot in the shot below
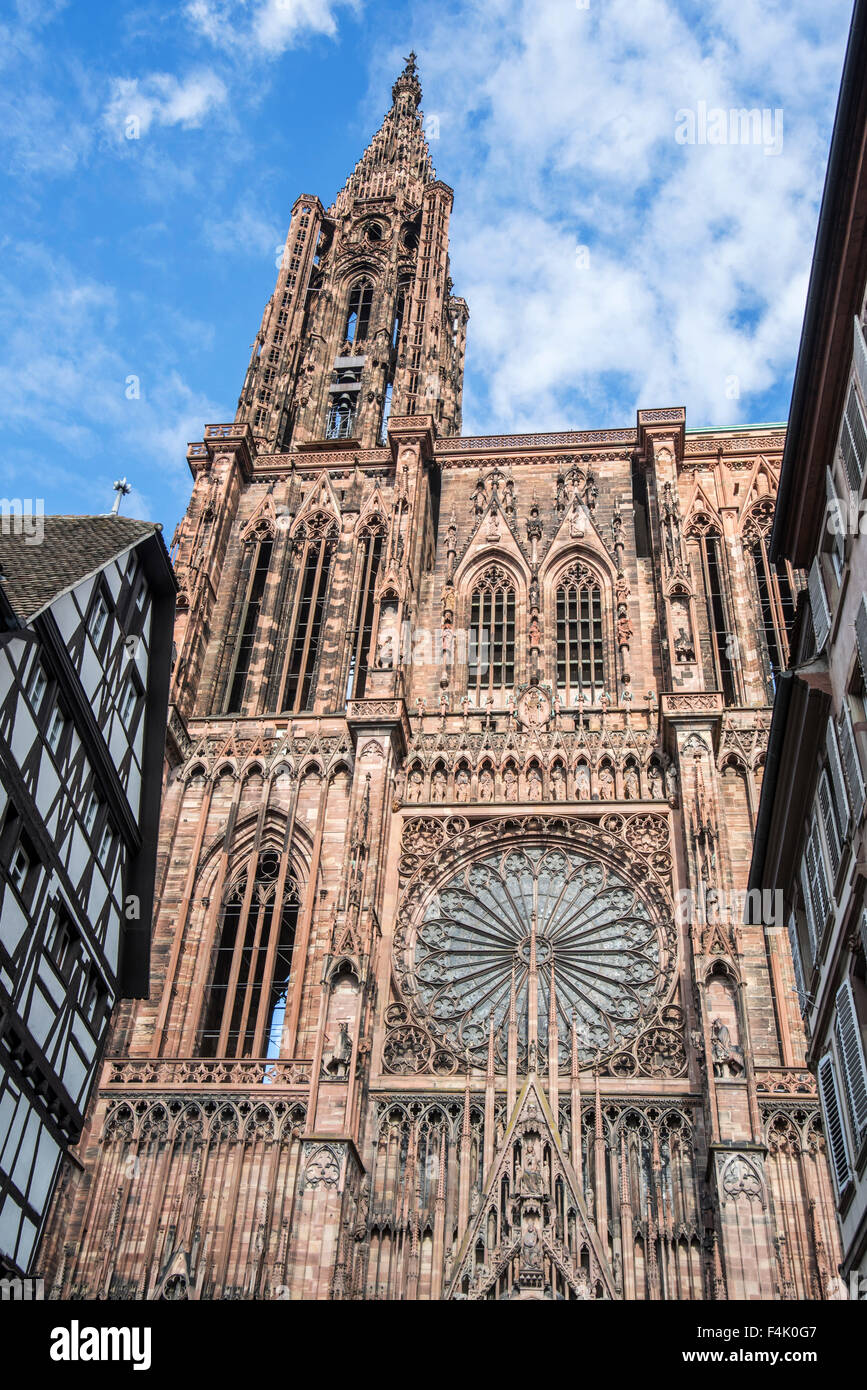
(452, 995)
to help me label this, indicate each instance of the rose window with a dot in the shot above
(595, 933)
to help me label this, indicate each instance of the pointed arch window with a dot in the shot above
(491, 665)
(386, 411)
(775, 595)
(246, 1003)
(580, 637)
(711, 563)
(358, 313)
(315, 544)
(399, 310)
(359, 653)
(249, 621)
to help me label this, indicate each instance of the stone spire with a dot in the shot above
(397, 160)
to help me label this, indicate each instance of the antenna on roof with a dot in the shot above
(122, 488)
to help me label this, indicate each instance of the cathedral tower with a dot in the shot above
(451, 991)
(363, 322)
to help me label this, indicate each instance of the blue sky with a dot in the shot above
(606, 264)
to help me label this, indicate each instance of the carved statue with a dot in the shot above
(486, 786)
(727, 1057)
(337, 1061)
(531, 1172)
(631, 784)
(606, 784)
(654, 778)
(415, 789)
(670, 780)
(534, 785)
(582, 782)
(439, 786)
(510, 784)
(684, 650)
(462, 786)
(530, 1247)
(558, 783)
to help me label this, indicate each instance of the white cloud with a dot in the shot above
(247, 232)
(270, 26)
(557, 130)
(66, 396)
(161, 99)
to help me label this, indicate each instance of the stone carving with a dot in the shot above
(607, 790)
(727, 1057)
(406, 1051)
(323, 1169)
(661, 1052)
(740, 1179)
(475, 924)
(336, 1061)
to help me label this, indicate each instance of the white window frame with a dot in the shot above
(37, 686)
(19, 867)
(105, 844)
(91, 811)
(56, 727)
(99, 615)
(129, 699)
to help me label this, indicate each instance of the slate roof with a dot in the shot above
(72, 547)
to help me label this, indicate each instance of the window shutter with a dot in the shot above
(834, 1132)
(859, 356)
(797, 962)
(851, 763)
(819, 610)
(836, 519)
(817, 879)
(829, 820)
(838, 781)
(807, 895)
(861, 636)
(851, 1050)
(853, 440)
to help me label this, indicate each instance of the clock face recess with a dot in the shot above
(594, 933)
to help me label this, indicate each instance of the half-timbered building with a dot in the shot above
(86, 613)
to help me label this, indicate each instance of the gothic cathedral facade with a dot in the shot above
(451, 993)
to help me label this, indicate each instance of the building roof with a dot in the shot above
(833, 300)
(34, 573)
